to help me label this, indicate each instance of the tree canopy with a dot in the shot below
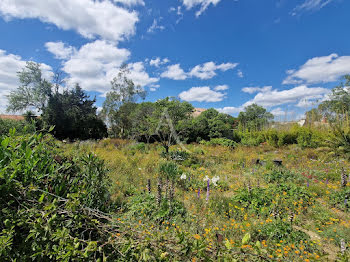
(71, 112)
(254, 117)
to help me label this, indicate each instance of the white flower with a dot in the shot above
(183, 176)
(215, 179)
(206, 178)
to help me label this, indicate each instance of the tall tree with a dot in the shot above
(254, 117)
(74, 115)
(33, 92)
(123, 91)
(170, 116)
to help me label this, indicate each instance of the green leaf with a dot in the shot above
(258, 244)
(246, 239)
(5, 142)
(42, 197)
(228, 244)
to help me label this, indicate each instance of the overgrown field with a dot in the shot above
(117, 200)
(297, 211)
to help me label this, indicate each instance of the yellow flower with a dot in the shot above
(196, 236)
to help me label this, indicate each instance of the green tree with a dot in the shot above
(337, 106)
(33, 92)
(74, 115)
(123, 91)
(171, 115)
(212, 124)
(144, 124)
(254, 117)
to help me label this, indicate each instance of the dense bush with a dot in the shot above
(22, 127)
(50, 204)
(220, 141)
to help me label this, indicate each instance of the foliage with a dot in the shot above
(220, 141)
(211, 124)
(71, 112)
(120, 100)
(22, 127)
(50, 202)
(73, 115)
(339, 141)
(254, 117)
(33, 92)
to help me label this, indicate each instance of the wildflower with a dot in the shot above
(183, 176)
(196, 236)
(208, 189)
(206, 178)
(215, 179)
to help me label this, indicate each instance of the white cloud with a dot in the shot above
(130, 2)
(207, 70)
(202, 71)
(95, 64)
(60, 50)
(10, 64)
(204, 4)
(320, 70)
(230, 110)
(300, 96)
(157, 61)
(255, 89)
(274, 97)
(174, 72)
(278, 112)
(221, 88)
(310, 5)
(153, 87)
(88, 17)
(155, 26)
(140, 76)
(240, 74)
(202, 94)
(178, 12)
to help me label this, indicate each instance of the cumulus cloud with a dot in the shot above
(270, 98)
(88, 17)
(221, 88)
(207, 70)
(140, 76)
(320, 70)
(174, 72)
(203, 4)
(230, 110)
(300, 96)
(95, 64)
(202, 71)
(278, 112)
(60, 49)
(240, 74)
(202, 94)
(158, 61)
(255, 89)
(10, 64)
(310, 5)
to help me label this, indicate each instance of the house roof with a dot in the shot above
(197, 111)
(13, 117)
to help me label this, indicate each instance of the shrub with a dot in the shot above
(220, 142)
(279, 230)
(50, 203)
(21, 127)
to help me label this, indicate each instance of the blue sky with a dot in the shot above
(282, 54)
